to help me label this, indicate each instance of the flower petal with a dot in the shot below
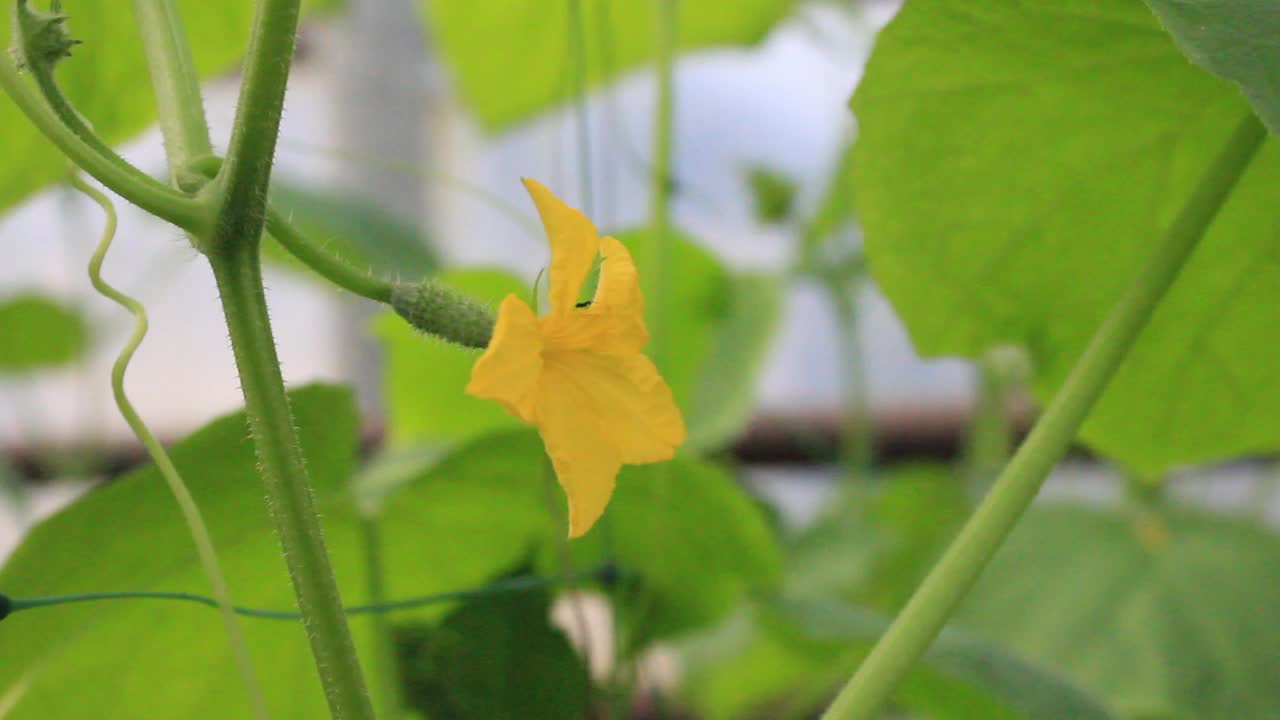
(574, 246)
(586, 463)
(615, 321)
(625, 398)
(618, 301)
(511, 365)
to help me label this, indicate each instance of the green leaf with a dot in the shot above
(495, 657)
(426, 378)
(697, 300)
(359, 232)
(138, 658)
(794, 654)
(533, 71)
(479, 510)
(106, 79)
(1238, 40)
(1016, 164)
(37, 332)
(690, 537)
(685, 530)
(723, 397)
(1172, 618)
(1021, 687)
(873, 544)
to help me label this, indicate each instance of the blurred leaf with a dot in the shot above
(480, 509)
(359, 232)
(37, 332)
(425, 377)
(1026, 689)
(1176, 620)
(136, 659)
(791, 656)
(917, 512)
(773, 194)
(533, 71)
(825, 252)
(748, 669)
(1238, 40)
(873, 545)
(723, 396)
(106, 78)
(692, 540)
(495, 657)
(697, 301)
(1093, 129)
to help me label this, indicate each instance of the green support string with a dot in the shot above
(524, 583)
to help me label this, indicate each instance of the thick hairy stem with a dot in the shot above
(238, 271)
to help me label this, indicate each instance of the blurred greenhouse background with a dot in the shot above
(738, 109)
(377, 139)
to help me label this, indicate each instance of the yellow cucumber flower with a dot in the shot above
(577, 374)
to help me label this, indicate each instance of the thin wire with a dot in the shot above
(186, 503)
(516, 584)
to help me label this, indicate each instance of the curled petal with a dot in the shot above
(614, 323)
(618, 299)
(574, 246)
(511, 366)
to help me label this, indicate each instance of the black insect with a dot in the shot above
(583, 304)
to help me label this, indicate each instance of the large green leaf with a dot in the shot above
(36, 332)
(359, 232)
(1238, 40)
(717, 327)
(426, 377)
(495, 657)
(1165, 618)
(135, 659)
(689, 543)
(1017, 162)
(532, 67)
(479, 510)
(697, 299)
(722, 398)
(106, 78)
(799, 652)
(685, 532)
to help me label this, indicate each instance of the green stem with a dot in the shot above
(577, 42)
(991, 433)
(857, 441)
(326, 264)
(238, 271)
(657, 269)
(109, 169)
(246, 173)
(937, 597)
(387, 668)
(186, 503)
(233, 251)
(176, 83)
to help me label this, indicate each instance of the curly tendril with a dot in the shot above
(186, 503)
